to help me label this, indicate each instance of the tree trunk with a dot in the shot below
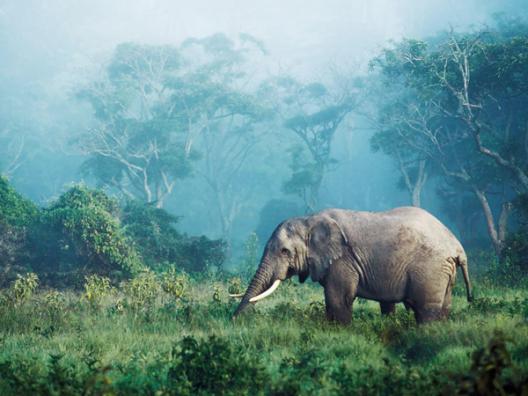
(415, 189)
(497, 234)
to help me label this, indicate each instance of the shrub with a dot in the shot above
(80, 234)
(491, 372)
(174, 284)
(14, 209)
(23, 288)
(96, 288)
(141, 292)
(13, 256)
(214, 366)
(153, 232)
(55, 304)
(201, 253)
(17, 214)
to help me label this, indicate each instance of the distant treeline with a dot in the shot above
(449, 111)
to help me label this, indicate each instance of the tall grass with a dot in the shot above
(151, 337)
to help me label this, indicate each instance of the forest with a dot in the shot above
(140, 184)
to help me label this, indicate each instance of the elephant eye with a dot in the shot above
(285, 252)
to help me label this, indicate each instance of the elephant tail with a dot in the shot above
(463, 264)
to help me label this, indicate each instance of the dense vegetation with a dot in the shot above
(171, 334)
(86, 232)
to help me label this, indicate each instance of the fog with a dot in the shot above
(49, 50)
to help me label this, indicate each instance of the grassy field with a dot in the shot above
(147, 337)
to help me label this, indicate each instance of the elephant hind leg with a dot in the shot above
(429, 314)
(428, 297)
(387, 308)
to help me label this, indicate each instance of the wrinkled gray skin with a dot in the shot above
(402, 255)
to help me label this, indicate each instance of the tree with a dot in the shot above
(465, 117)
(17, 216)
(224, 118)
(153, 231)
(313, 113)
(136, 146)
(80, 234)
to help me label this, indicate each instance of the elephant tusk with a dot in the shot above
(239, 295)
(267, 292)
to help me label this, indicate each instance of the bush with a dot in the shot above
(23, 288)
(158, 242)
(153, 232)
(80, 234)
(491, 372)
(201, 253)
(17, 214)
(14, 209)
(214, 366)
(141, 292)
(13, 256)
(96, 288)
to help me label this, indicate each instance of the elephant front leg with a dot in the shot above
(338, 308)
(387, 308)
(340, 292)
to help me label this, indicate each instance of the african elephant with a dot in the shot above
(402, 255)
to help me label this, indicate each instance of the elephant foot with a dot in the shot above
(387, 308)
(428, 315)
(341, 316)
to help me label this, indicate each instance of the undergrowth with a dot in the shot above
(164, 334)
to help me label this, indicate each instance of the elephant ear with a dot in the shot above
(326, 243)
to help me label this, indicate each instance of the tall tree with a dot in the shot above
(224, 118)
(136, 146)
(467, 89)
(313, 113)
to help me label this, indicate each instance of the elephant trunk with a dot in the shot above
(260, 282)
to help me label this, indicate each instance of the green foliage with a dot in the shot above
(13, 252)
(488, 369)
(142, 291)
(17, 215)
(96, 288)
(214, 366)
(174, 283)
(53, 345)
(159, 243)
(199, 254)
(55, 305)
(152, 230)
(23, 288)
(14, 209)
(452, 103)
(81, 233)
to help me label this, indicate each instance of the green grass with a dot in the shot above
(64, 344)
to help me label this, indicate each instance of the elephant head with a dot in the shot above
(300, 246)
